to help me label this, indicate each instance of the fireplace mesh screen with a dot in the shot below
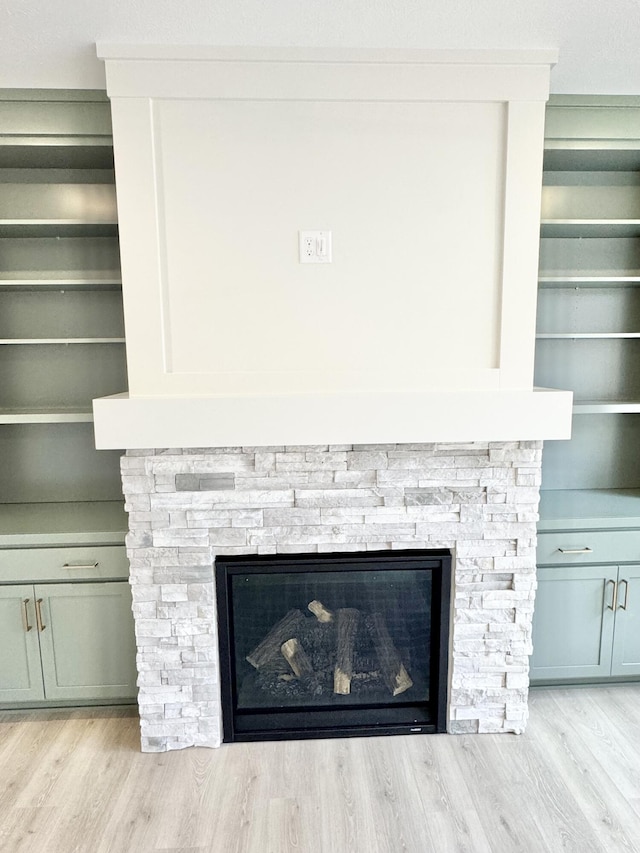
(355, 634)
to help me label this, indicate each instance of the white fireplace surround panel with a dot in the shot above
(188, 505)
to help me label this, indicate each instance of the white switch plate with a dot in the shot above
(315, 247)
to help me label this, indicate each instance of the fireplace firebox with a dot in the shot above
(333, 645)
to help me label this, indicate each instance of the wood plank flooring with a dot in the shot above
(76, 782)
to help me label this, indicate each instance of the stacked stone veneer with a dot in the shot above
(187, 505)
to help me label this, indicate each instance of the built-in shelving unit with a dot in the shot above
(589, 300)
(61, 322)
(66, 628)
(585, 625)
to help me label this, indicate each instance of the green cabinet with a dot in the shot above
(66, 626)
(20, 669)
(66, 642)
(582, 628)
(626, 646)
(586, 622)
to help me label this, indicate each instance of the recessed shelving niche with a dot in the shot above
(61, 323)
(588, 327)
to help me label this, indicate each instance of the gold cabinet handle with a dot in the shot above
(576, 550)
(614, 599)
(80, 565)
(41, 625)
(25, 613)
(626, 594)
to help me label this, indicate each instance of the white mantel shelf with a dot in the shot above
(366, 418)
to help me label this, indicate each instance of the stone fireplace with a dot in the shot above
(186, 506)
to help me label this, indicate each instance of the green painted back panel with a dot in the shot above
(46, 463)
(602, 454)
(580, 310)
(597, 370)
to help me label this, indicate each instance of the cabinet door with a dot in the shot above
(20, 670)
(87, 641)
(626, 643)
(573, 623)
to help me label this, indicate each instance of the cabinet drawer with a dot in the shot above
(51, 564)
(606, 546)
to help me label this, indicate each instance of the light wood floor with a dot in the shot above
(75, 782)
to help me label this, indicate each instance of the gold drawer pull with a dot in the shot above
(41, 625)
(576, 550)
(25, 604)
(614, 600)
(81, 565)
(626, 594)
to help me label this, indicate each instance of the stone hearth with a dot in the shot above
(186, 506)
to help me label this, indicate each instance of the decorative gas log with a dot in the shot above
(296, 657)
(320, 611)
(347, 624)
(394, 674)
(342, 652)
(270, 646)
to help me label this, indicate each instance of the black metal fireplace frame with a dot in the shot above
(291, 724)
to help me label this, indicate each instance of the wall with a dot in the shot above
(47, 44)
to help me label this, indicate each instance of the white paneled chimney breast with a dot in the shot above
(425, 167)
